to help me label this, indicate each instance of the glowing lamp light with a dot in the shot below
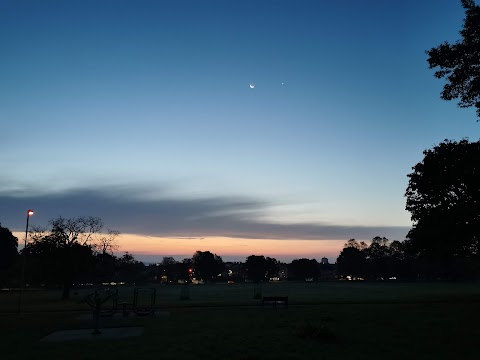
(190, 270)
(30, 212)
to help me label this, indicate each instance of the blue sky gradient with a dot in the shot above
(154, 96)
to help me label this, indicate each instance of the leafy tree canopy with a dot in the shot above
(443, 197)
(459, 63)
(68, 247)
(8, 248)
(304, 268)
(352, 260)
(255, 267)
(207, 265)
(8, 255)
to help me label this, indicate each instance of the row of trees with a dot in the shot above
(381, 260)
(384, 259)
(78, 251)
(72, 251)
(256, 268)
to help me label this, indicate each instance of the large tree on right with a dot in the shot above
(443, 197)
(8, 254)
(459, 63)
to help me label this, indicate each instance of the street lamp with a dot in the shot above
(29, 213)
(24, 255)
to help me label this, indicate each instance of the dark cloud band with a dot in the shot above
(125, 210)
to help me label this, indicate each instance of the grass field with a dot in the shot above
(338, 320)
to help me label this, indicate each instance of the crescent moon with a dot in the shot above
(252, 86)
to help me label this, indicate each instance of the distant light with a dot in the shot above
(190, 270)
(30, 212)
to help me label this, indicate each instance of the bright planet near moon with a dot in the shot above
(252, 86)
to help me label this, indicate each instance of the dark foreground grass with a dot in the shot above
(408, 321)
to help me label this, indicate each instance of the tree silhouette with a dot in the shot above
(207, 265)
(50, 262)
(184, 268)
(304, 268)
(378, 258)
(170, 268)
(459, 63)
(105, 264)
(401, 262)
(273, 266)
(381, 260)
(443, 197)
(256, 267)
(352, 259)
(108, 242)
(130, 270)
(67, 249)
(8, 254)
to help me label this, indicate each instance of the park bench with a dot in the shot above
(274, 300)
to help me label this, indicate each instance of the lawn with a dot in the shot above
(339, 320)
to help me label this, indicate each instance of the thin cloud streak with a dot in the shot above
(130, 211)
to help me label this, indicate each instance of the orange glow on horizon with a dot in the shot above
(231, 247)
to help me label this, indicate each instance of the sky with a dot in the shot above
(280, 128)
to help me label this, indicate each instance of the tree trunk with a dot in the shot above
(66, 290)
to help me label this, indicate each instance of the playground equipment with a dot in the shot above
(144, 301)
(103, 303)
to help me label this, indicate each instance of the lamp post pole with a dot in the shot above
(24, 255)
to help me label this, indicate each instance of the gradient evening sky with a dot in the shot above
(141, 113)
